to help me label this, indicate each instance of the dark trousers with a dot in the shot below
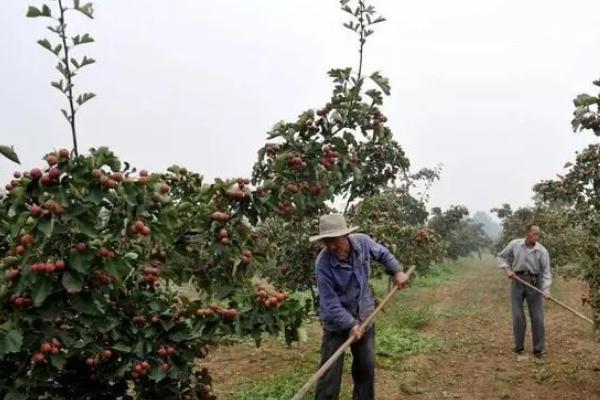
(535, 303)
(363, 366)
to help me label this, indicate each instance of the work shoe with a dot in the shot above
(518, 352)
(539, 354)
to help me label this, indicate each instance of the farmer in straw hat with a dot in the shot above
(343, 269)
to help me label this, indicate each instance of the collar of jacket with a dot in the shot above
(537, 245)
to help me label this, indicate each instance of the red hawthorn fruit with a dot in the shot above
(35, 173)
(220, 216)
(80, 247)
(137, 226)
(46, 348)
(12, 273)
(52, 159)
(106, 355)
(46, 180)
(104, 252)
(35, 211)
(26, 239)
(54, 173)
(38, 358)
(90, 362)
(60, 265)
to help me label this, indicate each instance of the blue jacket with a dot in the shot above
(344, 294)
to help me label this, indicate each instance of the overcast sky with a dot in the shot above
(482, 87)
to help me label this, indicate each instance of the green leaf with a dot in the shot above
(375, 95)
(81, 263)
(179, 336)
(382, 82)
(131, 256)
(72, 283)
(86, 61)
(57, 49)
(11, 341)
(33, 12)
(130, 195)
(122, 348)
(157, 374)
(86, 9)
(61, 68)
(86, 38)
(58, 361)
(85, 304)
(58, 85)
(223, 291)
(41, 290)
(45, 43)
(349, 138)
(15, 395)
(118, 268)
(9, 153)
(85, 227)
(82, 98)
(46, 226)
(585, 100)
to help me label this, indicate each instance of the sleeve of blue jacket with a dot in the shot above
(329, 303)
(382, 254)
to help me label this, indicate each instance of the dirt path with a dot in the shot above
(477, 362)
(474, 362)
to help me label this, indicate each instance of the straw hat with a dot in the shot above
(332, 225)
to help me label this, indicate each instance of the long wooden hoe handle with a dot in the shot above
(313, 379)
(566, 307)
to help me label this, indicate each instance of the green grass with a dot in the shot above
(398, 343)
(398, 335)
(282, 386)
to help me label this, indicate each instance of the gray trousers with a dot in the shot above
(535, 303)
(363, 366)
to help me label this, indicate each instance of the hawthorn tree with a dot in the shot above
(461, 234)
(92, 253)
(342, 150)
(578, 192)
(399, 221)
